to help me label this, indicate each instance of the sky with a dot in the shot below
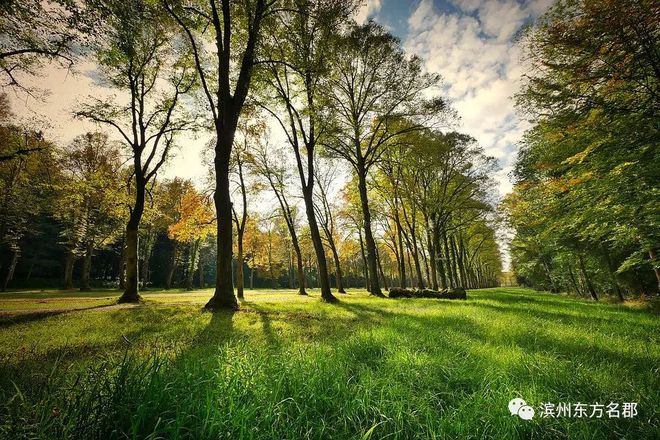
(471, 44)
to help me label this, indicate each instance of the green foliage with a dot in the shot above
(26, 180)
(90, 200)
(35, 32)
(587, 173)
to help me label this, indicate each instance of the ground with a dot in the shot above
(291, 367)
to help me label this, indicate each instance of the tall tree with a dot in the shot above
(89, 200)
(225, 74)
(268, 163)
(591, 157)
(298, 61)
(141, 58)
(250, 131)
(377, 95)
(26, 184)
(196, 222)
(326, 176)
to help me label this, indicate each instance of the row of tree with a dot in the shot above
(417, 198)
(586, 206)
(79, 197)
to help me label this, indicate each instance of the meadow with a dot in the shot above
(292, 367)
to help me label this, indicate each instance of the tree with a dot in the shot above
(298, 61)
(591, 154)
(435, 187)
(5, 121)
(35, 31)
(267, 162)
(237, 29)
(250, 131)
(26, 183)
(140, 58)
(196, 222)
(326, 175)
(89, 200)
(377, 95)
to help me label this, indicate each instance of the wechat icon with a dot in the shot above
(520, 408)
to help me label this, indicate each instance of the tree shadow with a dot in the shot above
(265, 320)
(624, 317)
(219, 330)
(10, 319)
(475, 336)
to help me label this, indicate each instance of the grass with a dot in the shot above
(291, 367)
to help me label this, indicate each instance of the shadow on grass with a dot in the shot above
(11, 318)
(474, 335)
(627, 318)
(447, 357)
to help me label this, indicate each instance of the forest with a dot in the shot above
(344, 264)
(349, 205)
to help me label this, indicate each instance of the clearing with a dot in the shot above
(291, 367)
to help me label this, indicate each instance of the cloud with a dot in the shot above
(473, 49)
(368, 10)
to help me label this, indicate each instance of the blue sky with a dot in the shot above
(471, 44)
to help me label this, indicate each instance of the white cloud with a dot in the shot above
(368, 10)
(474, 52)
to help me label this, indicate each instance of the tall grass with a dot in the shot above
(367, 368)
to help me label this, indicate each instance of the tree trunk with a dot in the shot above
(240, 281)
(338, 274)
(87, 268)
(432, 262)
(299, 267)
(654, 265)
(291, 283)
(546, 266)
(437, 247)
(612, 270)
(223, 297)
(370, 243)
(454, 260)
(574, 281)
(131, 293)
(172, 266)
(425, 260)
(418, 266)
(448, 264)
(145, 262)
(11, 268)
(69, 261)
(460, 252)
(323, 279)
(200, 268)
(587, 281)
(364, 261)
(402, 260)
(193, 260)
(294, 240)
(380, 270)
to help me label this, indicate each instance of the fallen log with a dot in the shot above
(454, 293)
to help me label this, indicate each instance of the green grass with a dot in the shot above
(290, 367)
